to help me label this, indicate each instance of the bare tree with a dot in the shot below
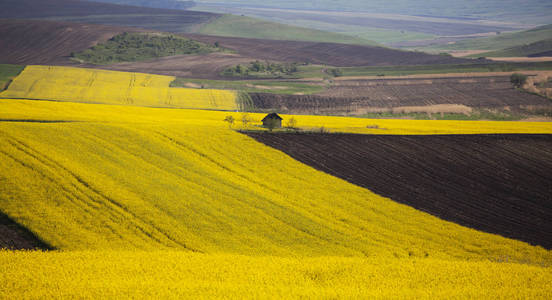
(230, 120)
(291, 123)
(245, 119)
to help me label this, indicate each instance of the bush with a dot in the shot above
(518, 80)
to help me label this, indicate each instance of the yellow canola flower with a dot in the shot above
(111, 87)
(178, 275)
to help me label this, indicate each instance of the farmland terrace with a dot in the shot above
(341, 55)
(356, 97)
(495, 183)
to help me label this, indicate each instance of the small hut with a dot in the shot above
(272, 120)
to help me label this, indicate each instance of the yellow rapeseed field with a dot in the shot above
(111, 87)
(154, 202)
(178, 275)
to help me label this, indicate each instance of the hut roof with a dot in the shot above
(272, 116)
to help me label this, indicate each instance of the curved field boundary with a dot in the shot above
(110, 87)
(16, 237)
(495, 183)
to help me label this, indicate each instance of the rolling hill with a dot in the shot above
(159, 202)
(505, 40)
(52, 42)
(100, 86)
(536, 49)
(158, 19)
(49, 42)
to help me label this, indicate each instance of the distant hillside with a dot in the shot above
(529, 11)
(166, 20)
(170, 4)
(505, 40)
(239, 26)
(537, 49)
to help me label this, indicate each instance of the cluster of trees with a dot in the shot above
(291, 123)
(140, 46)
(518, 80)
(260, 68)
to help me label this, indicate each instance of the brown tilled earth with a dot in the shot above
(339, 55)
(27, 9)
(356, 97)
(500, 184)
(45, 42)
(15, 237)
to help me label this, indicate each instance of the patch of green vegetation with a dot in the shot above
(128, 47)
(8, 73)
(533, 49)
(240, 26)
(259, 69)
(252, 86)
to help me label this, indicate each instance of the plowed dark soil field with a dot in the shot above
(495, 183)
(13, 236)
(339, 55)
(359, 96)
(45, 42)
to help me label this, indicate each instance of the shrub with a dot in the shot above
(518, 80)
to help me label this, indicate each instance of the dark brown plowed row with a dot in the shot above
(15, 237)
(495, 183)
(44, 42)
(79, 8)
(354, 96)
(326, 53)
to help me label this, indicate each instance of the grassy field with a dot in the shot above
(111, 177)
(8, 73)
(239, 26)
(128, 47)
(110, 87)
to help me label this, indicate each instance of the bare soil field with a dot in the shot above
(15, 237)
(193, 66)
(339, 55)
(27, 9)
(45, 42)
(500, 184)
(355, 97)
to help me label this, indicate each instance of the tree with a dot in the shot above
(518, 80)
(245, 119)
(336, 72)
(291, 123)
(230, 120)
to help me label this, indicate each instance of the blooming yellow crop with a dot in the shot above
(178, 275)
(233, 218)
(110, 87)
